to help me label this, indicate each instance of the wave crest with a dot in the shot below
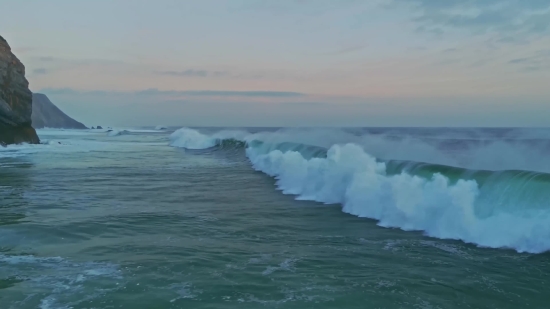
(481, 207)
(192, 139)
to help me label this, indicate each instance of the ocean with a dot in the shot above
(276, 218)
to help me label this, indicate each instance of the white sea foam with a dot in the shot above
(117, 132)
(142, 131)
(480, 150)
(76, 141)
(120, 131)
(184, 291)
(64, 145)
(351, 177)
(47, 144)
(62, 282)
(286, 265)
(192, 139)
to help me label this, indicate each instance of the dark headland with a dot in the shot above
(46, 115)
(15, 100)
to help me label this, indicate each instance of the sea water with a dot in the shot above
(276, 218)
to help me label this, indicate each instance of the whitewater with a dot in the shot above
(491, 191)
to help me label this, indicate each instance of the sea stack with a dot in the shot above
(46, 115)
(15, 100)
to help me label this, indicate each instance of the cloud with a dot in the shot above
(519, 60)
(200, 73)
(543, 53)
(272, 94)
(348, 50)
(46, 59)
(449, 50)
(176, 93)
(531, 68)
(311, 7)
(509, 19)
(433, 31)
(536, 62)
(514, 40)
(194, 73)
(70, 91)
(221, 93)
(447, 61)
(67, 62)
(40, 71)
(50, 65)
(24, 50)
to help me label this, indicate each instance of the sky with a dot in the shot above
(287, 62)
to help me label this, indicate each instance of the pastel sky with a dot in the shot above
(288, 62)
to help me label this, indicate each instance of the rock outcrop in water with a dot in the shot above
(46, 115)
(15, 100)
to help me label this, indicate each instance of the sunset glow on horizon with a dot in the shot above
(386, 62)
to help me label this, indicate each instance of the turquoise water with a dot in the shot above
(96, 221)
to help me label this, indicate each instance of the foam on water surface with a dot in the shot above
(61, 283)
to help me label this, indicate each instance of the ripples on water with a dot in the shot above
(128, 222)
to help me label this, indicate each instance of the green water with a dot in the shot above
(128, 222)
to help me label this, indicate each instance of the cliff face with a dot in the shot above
(46, 115)
(15, 100)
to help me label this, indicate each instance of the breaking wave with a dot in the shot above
(117, 132)
(193, 139)
(489, 208)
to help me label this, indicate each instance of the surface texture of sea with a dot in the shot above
(276, 218)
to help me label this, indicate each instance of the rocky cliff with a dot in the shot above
(46, 115)
(15, 100)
